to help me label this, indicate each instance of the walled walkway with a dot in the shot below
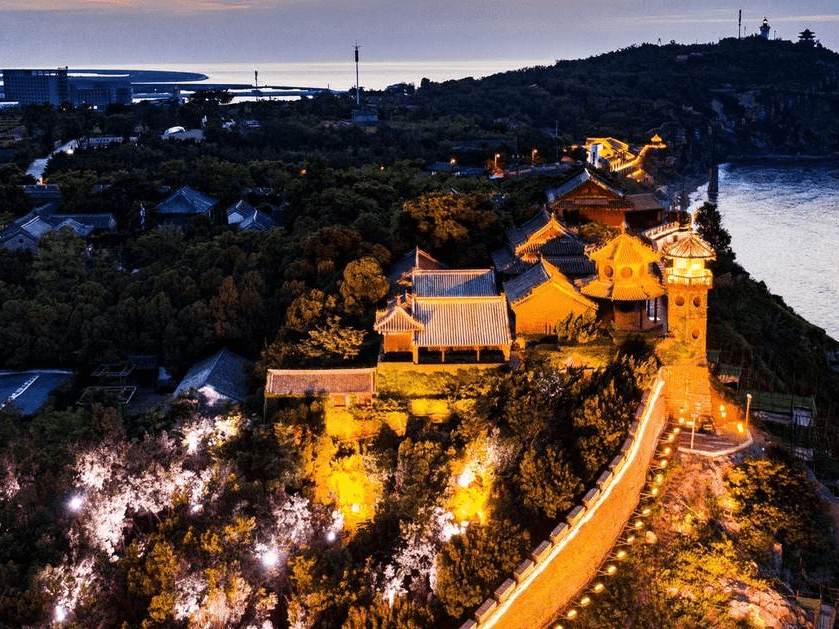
(574, 560)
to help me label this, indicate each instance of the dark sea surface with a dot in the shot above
(783, 217)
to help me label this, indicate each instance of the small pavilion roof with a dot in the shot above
(625, 249)
(454, 283)
(518, 236)
(692, 247)
(395, 319)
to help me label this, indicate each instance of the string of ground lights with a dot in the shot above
(635, 527)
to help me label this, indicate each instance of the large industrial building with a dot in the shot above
(35, 87)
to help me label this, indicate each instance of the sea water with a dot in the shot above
(783, 217)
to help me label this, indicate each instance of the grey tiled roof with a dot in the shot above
(416, 258)
(257, 221)
(224, 371)
(187, 201)
(506, 262)
(454, 283)
(520, 287)
(573, 266)
(238, 211)
(315, 381)
(36, 224)
(644, 201)
(518, 235)
(476, 322)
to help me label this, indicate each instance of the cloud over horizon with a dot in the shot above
(47, 33)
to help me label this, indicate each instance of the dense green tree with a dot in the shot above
(547, 482)
(472, 564)
(363, 285)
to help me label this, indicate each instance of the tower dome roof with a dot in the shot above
(692, 247)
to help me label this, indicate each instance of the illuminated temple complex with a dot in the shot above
(545, 274)
(655, 281)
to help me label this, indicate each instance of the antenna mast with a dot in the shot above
(739, 22)
(357, 97)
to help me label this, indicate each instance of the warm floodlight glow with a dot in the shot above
(662, 463)
(639, 524)
(572, 614)
(585, 601)
(611, 569)
(740, 428)
(620, 554)
(659, 478)
(60, 613)
(630, 540)
(654, 492)
(598, 588)
(466, 477)
(76, 503)
(681, 420)
(646, 511)
(330, 536)
(355, 508)
(667, 451)
(670, 438)
(270, 558)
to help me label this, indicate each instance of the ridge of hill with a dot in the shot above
(710, 102)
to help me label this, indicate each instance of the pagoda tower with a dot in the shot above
(688, 281)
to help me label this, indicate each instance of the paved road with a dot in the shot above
(574, 562)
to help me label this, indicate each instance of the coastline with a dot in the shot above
(699, 194)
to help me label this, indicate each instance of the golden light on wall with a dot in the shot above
(470, 494)
(348, 485)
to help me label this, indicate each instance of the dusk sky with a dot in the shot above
(91, 33)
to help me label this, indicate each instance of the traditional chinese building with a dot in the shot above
(447, 311)
(586, 197)
(541, 296)
(626, 286)
(543, 236)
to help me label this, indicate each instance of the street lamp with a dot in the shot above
(495, 163)
(748, 406)
(533, 156)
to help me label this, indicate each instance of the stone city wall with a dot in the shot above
(562, 565)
